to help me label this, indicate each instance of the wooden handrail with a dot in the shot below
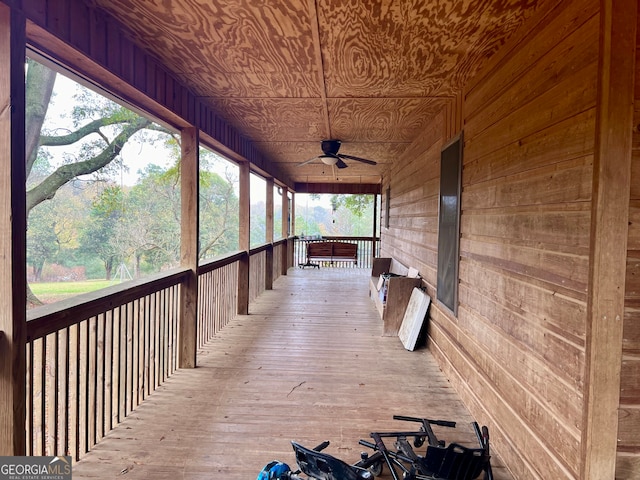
(220, 262)
(281, 241)
(260, 248)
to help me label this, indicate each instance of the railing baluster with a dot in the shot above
(108, 372)
(92, 351)
(50, 394)
(99, 379)
(146, 391)
(40, 396)
(74, 396)
(63, 388)
(29, 399)
(162, 338)
(135, 354)
(83, 392)
(122, 361)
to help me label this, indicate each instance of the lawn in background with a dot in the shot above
(50, 292)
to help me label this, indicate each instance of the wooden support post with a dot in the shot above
(270, 213)
(292, 225)
(244, 239)
(13, 229)
(285, 231)
(268, 268)
(268, 271)
(189, 175)
(375, 227)
(609, 229)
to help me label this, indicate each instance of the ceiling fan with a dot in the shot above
(330, 155)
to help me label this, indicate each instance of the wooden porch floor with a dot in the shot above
(307, 364)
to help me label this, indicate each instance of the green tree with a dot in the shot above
(42, 244)
(99, 236)
(356, 204)
(152, 227)
(52, 229)
(218, 215)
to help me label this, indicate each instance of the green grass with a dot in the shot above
(66, 289)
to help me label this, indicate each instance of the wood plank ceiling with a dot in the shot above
(289, 73)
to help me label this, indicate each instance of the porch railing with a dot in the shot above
(92, 359)
(217, 295)
(365, 251)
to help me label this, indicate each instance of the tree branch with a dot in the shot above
(65, 173)
(77, 135)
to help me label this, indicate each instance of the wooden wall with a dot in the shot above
(527, 179)
(516, 351)
(629, 414)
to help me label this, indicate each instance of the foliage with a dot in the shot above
(151, 231)
(345, 215)
(42, 244)
(356, 204)
(219, 219)
(99, 233)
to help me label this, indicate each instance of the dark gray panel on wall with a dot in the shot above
(449, 223)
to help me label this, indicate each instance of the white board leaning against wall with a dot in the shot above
(413, 318)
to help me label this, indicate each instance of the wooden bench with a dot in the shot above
(330, 252)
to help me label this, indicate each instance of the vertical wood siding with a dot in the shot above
(629, 415)
(516, 350)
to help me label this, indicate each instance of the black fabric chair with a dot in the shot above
(454, 462)
(442, 462)
(322, 466)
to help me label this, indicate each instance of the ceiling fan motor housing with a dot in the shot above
(330, 147)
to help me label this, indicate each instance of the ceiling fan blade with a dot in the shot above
(357, 159)
(341, 164)
(307, 161)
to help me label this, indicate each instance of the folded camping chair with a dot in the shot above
(452, 462)
(321, 466)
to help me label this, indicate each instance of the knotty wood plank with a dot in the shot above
(299, 367)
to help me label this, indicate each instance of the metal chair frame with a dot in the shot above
(452, 462)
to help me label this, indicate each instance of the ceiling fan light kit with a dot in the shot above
(329, 159)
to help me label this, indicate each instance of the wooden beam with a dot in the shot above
(268, 271)
(292, 228)
(338, 188)
(270, 212)
(285, 231)
(13, 228)
(244, 238)
(609, 229)
(189, 170)
(375, 226)
(285, 212)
